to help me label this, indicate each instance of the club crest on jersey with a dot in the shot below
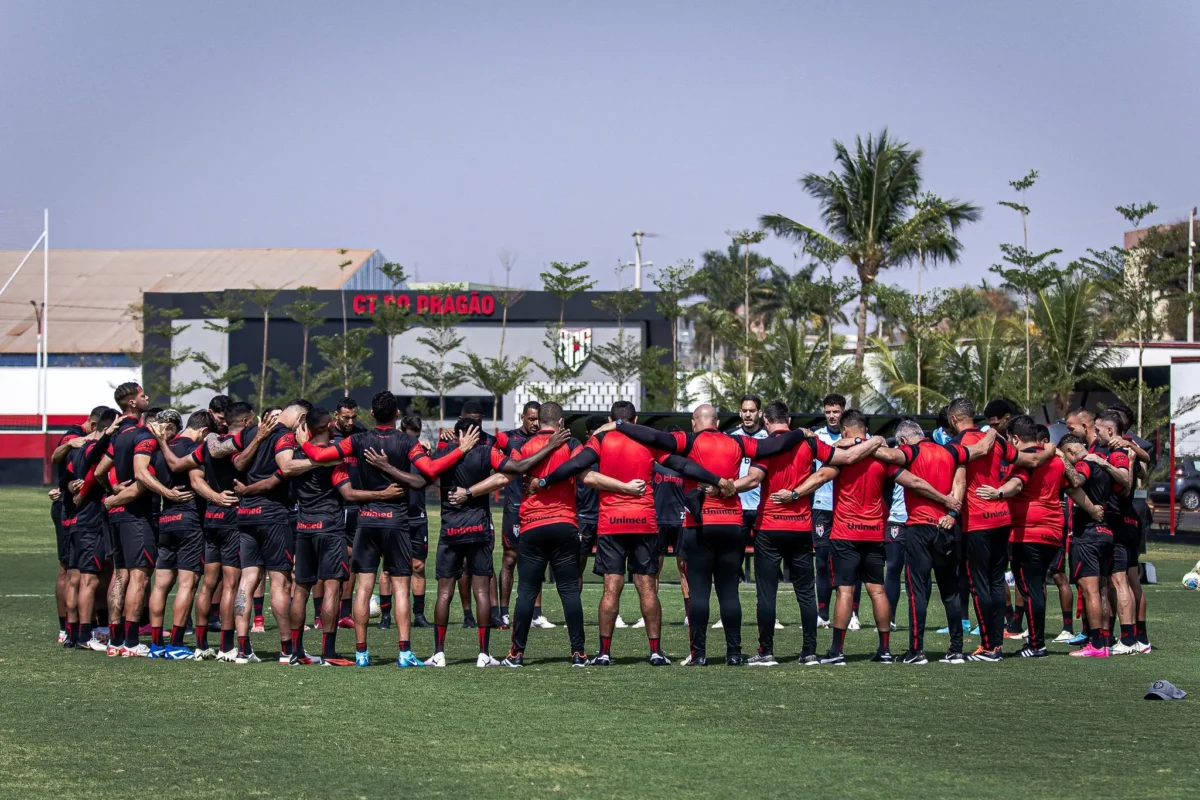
(574, 347)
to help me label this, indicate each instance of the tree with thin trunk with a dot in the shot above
(438, 375)
(864, 206)
(621, 359)
(307, 313)
(500, 375)
(674, 285)
(264, 300)
(564, 281)
(744, 239)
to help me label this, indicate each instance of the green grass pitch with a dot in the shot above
(77, 723)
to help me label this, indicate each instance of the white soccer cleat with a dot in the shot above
(778, 625)
(541, 622)
(436, 660)
(718, 624)
(822, 622)
(141, 651)
(1064, 637)
(641, 623)
(485, 660)
(228, 656)
(1143, 647)
(620, 623)
(506, 620)
(893, 625)
(62, 636)
(854, 623)
(97, 645)
(687, 662)
(1120, 649)
(207, 654)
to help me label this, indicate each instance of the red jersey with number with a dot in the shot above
(784, 472)
(554, 505)
(935, 464)
(1037, 512)
(623, 459)
(983, 514)
(858, 508)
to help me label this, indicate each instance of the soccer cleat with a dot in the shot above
(260, 624)
(808, 660)
(303, 659)
(1064, 637)
(1121, 649)
(96, 645)
(945, 629)
(251, 658)
(988, 656)
(513, 661)
(762, 660)
(954, 657)
(854, 623)
(62, 637)
(1088, 651)
(436, 660)
(228, 656)
(419, 621)
(207, 654)
(540, 621)
(883, 657)
(141, 651)
(735, 660)
(833, 659)
(69, 644)
(620, 623)
(485, 660)
(157, 651)
(892, 626)
(1032, 652)
(659, 660)
(1078, 639)
(601, 660)
(822, 622)
(178, 653)
(685, 621)
(336, 661)
(469, 621)
(778, 625)
(974, 631)
(1143, 647)
(144, 630)
(694, 660)
(407, 659)
(914, 657)
(497, 620)
(506, 620)
(641, 623)
(385, 622)
(362, 658)
(579, 660)
(718, 625)
(1016, 634)
(346, 622)
(286, 658)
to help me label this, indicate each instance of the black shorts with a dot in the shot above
(822, 526)
(587, 538)
(221, 547)
(267, 544)
(181, 549)
(87, 548)
(619, 553)
(1059, 562)
(62, 536)
(351, 524)
(668, 539)
(893, 533)
(456, 559)
(1091, 556)
(389, 545)
(857, 561)
(418, 539)
(510, 529)
(1125, 554)
(321, 557)
(139, 546)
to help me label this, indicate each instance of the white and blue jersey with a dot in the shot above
(823, 497)
(749, 497)
(898, 514)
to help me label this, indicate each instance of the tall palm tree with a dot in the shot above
(865, 205)
(985, 363)
(1069, 324)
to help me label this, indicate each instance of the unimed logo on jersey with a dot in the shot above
(629, 520)
(364, 512)
(574, 347)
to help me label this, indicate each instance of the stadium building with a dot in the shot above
(164, 317)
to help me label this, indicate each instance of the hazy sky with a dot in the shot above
(443, 133)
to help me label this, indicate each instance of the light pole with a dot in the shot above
(1191, 322)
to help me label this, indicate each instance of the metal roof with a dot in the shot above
(91, 290)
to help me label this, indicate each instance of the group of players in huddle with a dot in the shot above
(316, 504)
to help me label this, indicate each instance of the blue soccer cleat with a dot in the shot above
(178, 653)
(158, 651)
(974, 631)
(1079, 638)
(363, 659)
(407, 659)
(943, 630)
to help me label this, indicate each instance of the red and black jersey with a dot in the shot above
(1037, 512)
(90, 511)
(129, 439)
(1114, 509)
(350, 462)
(219, 474)
(509, 443)
(72, 432)
(623, 459)
(554, 504)
(859, 511)
(983, 514)
(935, 464)
(272, 506)
(319, 499)
(471, 521)
(177, 516)
(1098, 487)
(784, 472)
(722, 455)
(668, 496)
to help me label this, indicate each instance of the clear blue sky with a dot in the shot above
(444, 133)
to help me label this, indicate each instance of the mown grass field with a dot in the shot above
(76, 723)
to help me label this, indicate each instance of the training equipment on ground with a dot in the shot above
(1192, 580)
(375, 609)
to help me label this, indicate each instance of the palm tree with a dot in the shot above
(865, 206)
(985, 363)
(1069, 324)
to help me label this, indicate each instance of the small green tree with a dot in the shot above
(674, 285)
(439, 375)
(344, 356)
(564, 281)
(158, 361)
(744, 239)
(307, 313)
(264, 301)
(905, 366)
(621, 359)
(500, 375)
(393, 319)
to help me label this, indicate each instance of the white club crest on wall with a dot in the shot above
(574, 347)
